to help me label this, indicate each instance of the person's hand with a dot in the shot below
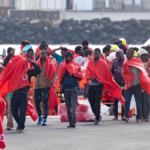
(29, 60)
(49, 85)
(92, 79)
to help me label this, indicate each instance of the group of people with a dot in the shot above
(117, 72)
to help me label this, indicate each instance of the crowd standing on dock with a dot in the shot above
(115, 73)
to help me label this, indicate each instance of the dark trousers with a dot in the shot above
(41, 95)
(145, 105)
(95, 98)
(71, 100)
(136, 90)
(116, 106)
(19, 102)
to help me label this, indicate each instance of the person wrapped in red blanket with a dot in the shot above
(16, 78)
(69, 75)
(136, 79)
(44, 86)
(29, 54)
(2, 114)
(99, 75)
(37, 52)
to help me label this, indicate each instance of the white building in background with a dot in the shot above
(85, 5)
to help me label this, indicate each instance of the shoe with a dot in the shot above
(17, 128)
(8, 128)
(146, 120)
(20, 131)
(125, 119)
(96, 122)
(115, 118)
(73, 126)
(69, 126)
(138, 121)
(39, 120)
(44, 122)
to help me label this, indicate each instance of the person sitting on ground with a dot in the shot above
(144, 95)
(116, 69)
(43, 84)
(69, 74)
(78, 52)
(136, 78)
(19, 98)
(85, 45)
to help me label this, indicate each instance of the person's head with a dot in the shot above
(80, 60)
(119, 41)
(88, 54)
(116, 43)
(130, 53)
(106, 51)
(63, 51)
(25, 42)
(85, 44)
(69, 56)
(114, 48)
(135, 49)
(120, 55)
(148, 49)
(97, 53)
(11, 51)
(43, 46)
(144, 47)
(123, 40)
(109, 46)
(143, 55)
(122, 47)
(30, 53)
(79, 50)
(43, 54)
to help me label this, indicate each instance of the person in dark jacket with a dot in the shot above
(116, 70)
(70, 86)
(19, 99)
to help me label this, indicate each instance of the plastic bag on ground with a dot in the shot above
(84, 112)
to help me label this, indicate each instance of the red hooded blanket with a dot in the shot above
(101, 73)
(129, 76)
(2, 114)
(50, 71)
(15, 75)
(38, 51)
(72, 67)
